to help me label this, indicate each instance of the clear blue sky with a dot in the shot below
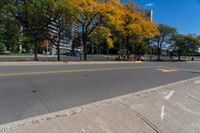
(182, 14)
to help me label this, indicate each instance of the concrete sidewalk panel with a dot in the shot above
(113, 118)
(190, 88)
(169, 110)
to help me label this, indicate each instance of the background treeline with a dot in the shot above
(97, 27)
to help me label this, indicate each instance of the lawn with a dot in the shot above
(15, 54)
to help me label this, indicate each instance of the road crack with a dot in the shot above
(149, 123)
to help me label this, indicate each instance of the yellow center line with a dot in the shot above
(161, 68)
(70, 71)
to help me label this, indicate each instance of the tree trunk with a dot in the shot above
(159, 53)
(128, 47)
(36, 51)
(58, 52)
(85, 47)
(179, 55)
(58, 48)
(107, 51)
(84, 40)
(150, 49)
(159, 49)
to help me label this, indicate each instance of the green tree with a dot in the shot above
(185, 44)
(32, 15)
(178, 44)
(60, 23)
(191, 44)
(166, 33)
(26, 44)
(9, 27)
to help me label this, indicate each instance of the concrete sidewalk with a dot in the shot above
(174, 108)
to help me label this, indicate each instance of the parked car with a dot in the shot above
(75, 53)
(143, 58)
(67, 53)
(139, 57)
(72, 53)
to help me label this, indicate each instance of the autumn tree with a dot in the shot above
(133, 24)
(90, 15)
(104, 35)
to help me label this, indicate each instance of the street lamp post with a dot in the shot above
(151, 14)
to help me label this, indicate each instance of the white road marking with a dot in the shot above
(83, 130)
(197, 82)
(167, 97)
(162, 113)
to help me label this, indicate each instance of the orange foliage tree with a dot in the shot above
(92, 15)
(104, 15)
(132, 23)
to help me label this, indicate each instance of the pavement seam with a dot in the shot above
(189, 96)
(144, 119)
(32, 86)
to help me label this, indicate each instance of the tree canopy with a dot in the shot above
(116, 24)
(185, 44)
(166, 33)
(109, 15)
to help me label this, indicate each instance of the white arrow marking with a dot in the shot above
(167, 97)
(197, 82)
(162, 113)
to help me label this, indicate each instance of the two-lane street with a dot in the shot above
(32, 90)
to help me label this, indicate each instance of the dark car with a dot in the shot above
(75, 53)
(72, 53)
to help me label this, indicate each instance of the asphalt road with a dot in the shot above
(27, 91)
